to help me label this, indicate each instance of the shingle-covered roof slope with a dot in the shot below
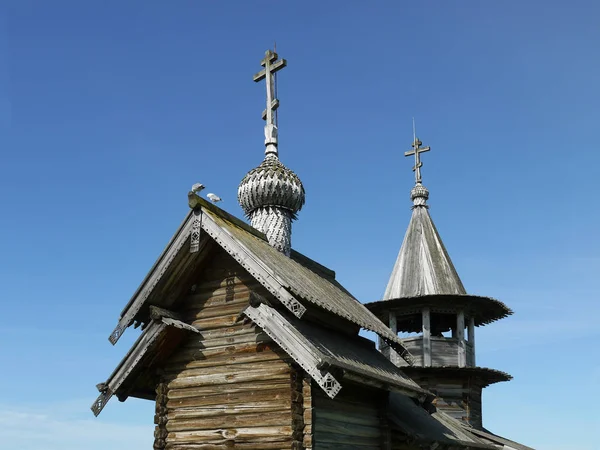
(423, 266)
(439, 430)
(489, 437)
(317, 350)
(296, 281)
(303, 283)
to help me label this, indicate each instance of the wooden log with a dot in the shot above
(225, 356)
(257, 398)
(198, 313)
(235, 376)
(277, 445)
(222, 435)
(215, 322)
(238, 420)
(215, 355)
(198, 391)
(224, 411)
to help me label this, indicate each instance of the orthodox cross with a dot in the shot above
(417, 150)
(271, 66)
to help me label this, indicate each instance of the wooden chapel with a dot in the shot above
(248, 344)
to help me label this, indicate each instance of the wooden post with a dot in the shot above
(426, 337)
(472, 338)
(460, 334)
(394, 357)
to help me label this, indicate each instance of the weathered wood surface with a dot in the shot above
(308, 413)
(351, 420)
(443, 351)
(229, 386)
(160, 417)
(458, 396)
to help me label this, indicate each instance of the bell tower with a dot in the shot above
(426, 302)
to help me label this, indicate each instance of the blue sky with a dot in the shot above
(110, 111)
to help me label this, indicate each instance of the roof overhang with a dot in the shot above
(290, 280)
(484, 310)
(485, 375)
(330, 358)
(156, 343)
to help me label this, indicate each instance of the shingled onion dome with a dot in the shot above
(271, 196)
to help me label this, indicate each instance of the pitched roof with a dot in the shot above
(297, 282)
(436, 428)
(486, 375)
(147, 349)
(423, 266)
(302, 282)
(488, 436)
(317, 350)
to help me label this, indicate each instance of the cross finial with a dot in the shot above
(271, 66)
(417, 150)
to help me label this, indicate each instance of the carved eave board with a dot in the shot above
(133, 375)
(293, 283)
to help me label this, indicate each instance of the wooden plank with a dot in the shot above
(222, 337)
(235, 306)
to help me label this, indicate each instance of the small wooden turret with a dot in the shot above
(426, 301)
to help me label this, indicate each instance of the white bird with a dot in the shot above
(197, 187)
(213, 198)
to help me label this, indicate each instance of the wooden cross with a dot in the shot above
(417, 150)
(271, 66)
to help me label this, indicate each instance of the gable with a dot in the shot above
(295, 284)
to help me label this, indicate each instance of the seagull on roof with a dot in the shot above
(213, 198)
(197, 187)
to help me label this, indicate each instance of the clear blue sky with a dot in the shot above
(111, 110)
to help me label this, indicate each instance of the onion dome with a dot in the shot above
(271, 184)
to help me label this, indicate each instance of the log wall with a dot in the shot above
(460, 397)
(231, 386)
(353, 420)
